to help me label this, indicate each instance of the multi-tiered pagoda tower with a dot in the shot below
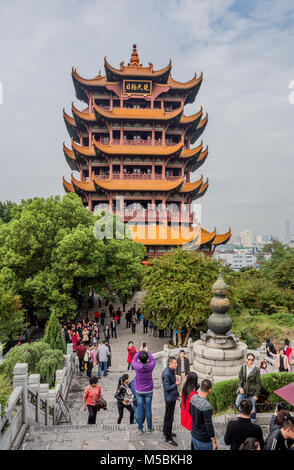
(132, 148)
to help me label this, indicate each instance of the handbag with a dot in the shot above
(101, 403)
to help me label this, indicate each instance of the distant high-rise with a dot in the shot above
(287, 231)
(246, 238)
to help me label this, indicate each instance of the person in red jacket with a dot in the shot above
(287, 349)
(131, 352)
(189, 389)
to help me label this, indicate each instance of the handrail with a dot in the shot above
(13, 400)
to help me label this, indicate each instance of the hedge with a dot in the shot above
(224, 393)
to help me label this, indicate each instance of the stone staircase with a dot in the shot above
(107, 434)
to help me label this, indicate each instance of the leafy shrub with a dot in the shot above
(15, 355)
(31, 353)
(5, 391)
(51, 361)
(274, 381)
(223, 394)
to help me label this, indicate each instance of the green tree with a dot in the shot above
(12, 321)
(49, 252)
(6, 210)
(179, 289)
(53, 335)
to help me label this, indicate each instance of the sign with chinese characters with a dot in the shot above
(137, 87)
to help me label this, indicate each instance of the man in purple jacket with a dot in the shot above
(143, 363)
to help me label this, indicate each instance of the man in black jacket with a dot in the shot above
(238, 430)
(170, 396)
(276, 440)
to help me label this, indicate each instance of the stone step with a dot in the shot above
(107, 437)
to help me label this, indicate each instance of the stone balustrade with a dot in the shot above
(32, 402)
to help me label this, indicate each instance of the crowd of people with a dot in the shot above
(91, 342)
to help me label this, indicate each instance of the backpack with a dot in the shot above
(87, 355)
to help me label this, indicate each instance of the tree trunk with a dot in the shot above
(187, 336)
(179, 337)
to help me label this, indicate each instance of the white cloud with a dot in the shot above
(244, 49)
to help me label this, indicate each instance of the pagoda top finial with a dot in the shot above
(134, 57)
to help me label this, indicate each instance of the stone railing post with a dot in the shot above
(59, 378)
(34, 385)
(190, 350)
(165, 356)
(44, 391)
(20, 378)
(69, 349)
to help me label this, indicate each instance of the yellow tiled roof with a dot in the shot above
(67, 186)
(137, 113)
(184, 85)
(137, 70)
(163, 150)
(137, 185)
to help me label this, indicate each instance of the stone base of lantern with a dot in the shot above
(217, 361)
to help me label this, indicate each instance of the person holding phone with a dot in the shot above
(144, 364)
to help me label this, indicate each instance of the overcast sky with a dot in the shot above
(244, 49)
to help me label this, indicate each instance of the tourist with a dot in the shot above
(75, 339)
(145, 325)
(203, 435)
(102, 358)
(183, 369)
(238, 430)
(91, 397)
(170, 396)
(131, 353)
(138, 315)
(278, 419)
(134, 322)
(106, 331)
(113, 328)
(154, 331)
(150, 327)
(134, 402)
(282, 362)
(99, 300)
(110, 307)
(160, 332)
(89, 359)
(276, 440)
(271, 350)
(189, 389)
(250, 444)
(80, 330)
(128, 317)
(124, 398)
(144, 363)
(81, 350)
(97, 316)
(109, 356)
(85, 335)
(263, 367)
(118, 314)
(287, 349)
(96, 335)
(102, 317)
(249, 385)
